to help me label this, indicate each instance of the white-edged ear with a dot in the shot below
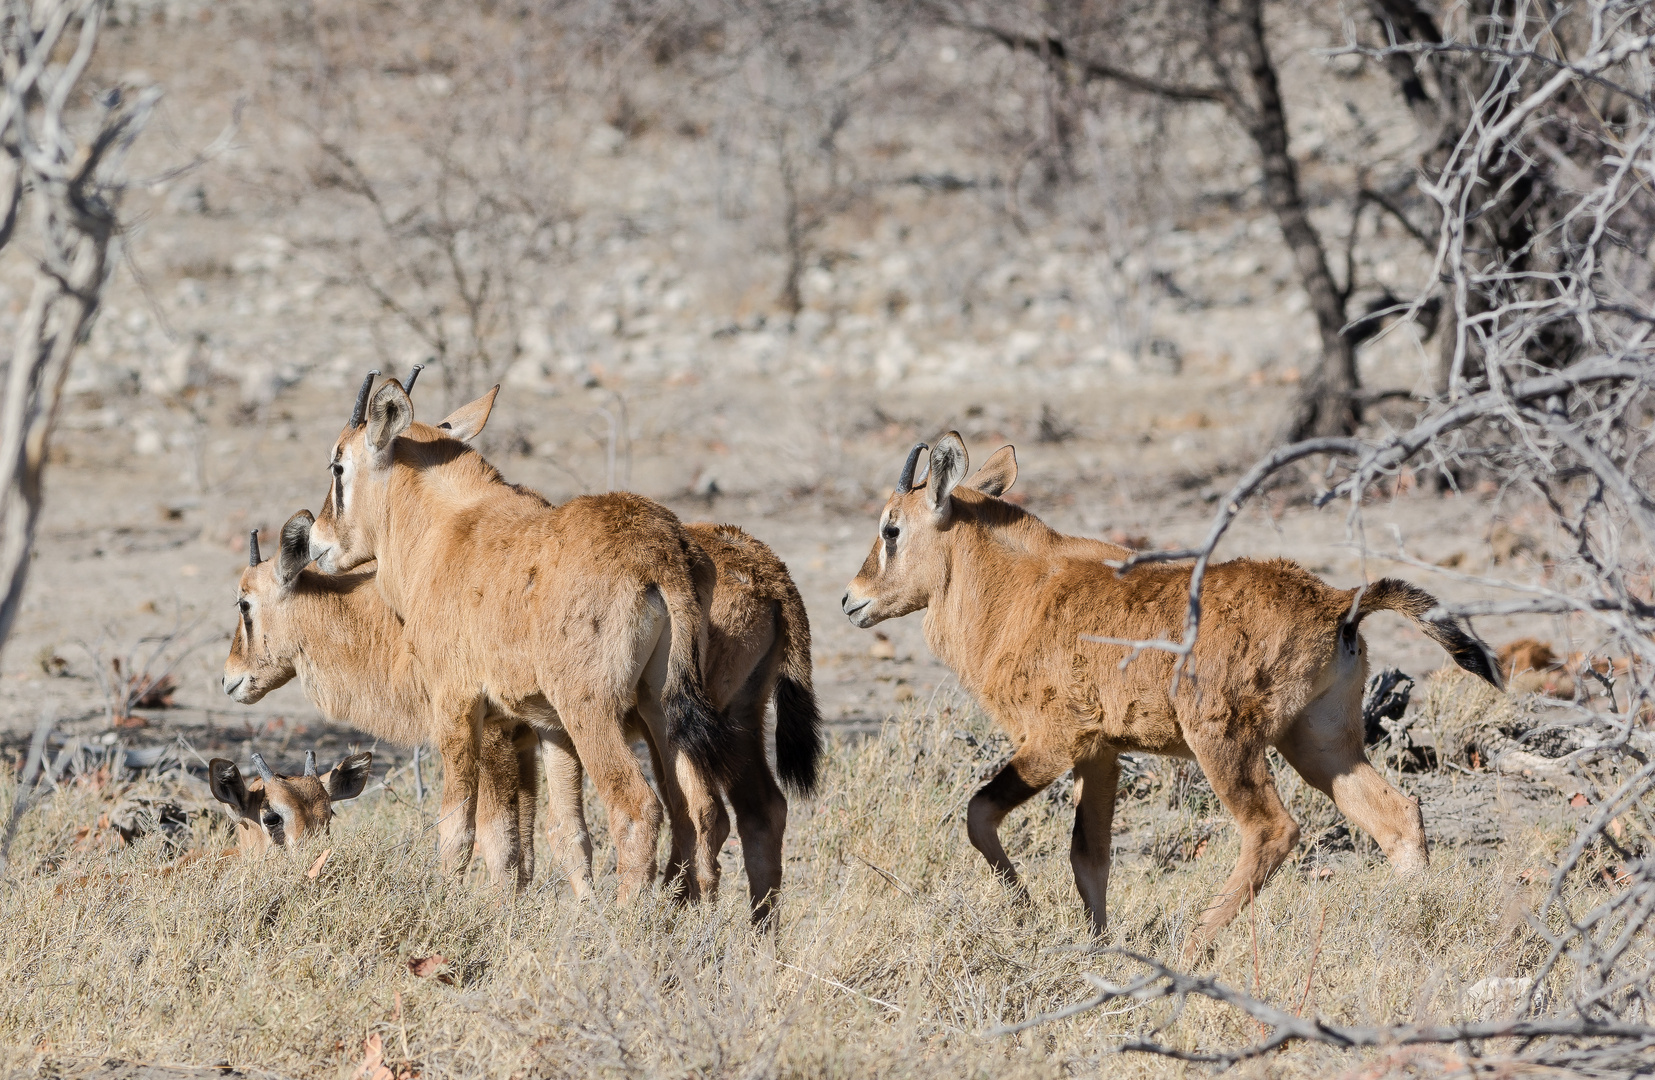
(388, 416)
(294, 554)
(466, 422)
(997, 474)
(347, 779)
(227, 786)
(946, 468)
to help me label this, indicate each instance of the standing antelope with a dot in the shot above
(351, 656)
(284, 811)
(352, 659)
(1009, 605)
(591, 605)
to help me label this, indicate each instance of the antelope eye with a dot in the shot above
(271, 819)
(890, 532)
(244, 605)
(338, 468)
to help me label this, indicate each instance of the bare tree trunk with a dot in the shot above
(74, 223)
(1327, 403)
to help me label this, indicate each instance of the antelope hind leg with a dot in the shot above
(1325, 747)
(1240, 776)
(699, 821)
(566, 831)
(597, 730)
(761, 814)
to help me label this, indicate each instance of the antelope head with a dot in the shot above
(910, 557)
(345, 534)
(269, 631)
(284, 811)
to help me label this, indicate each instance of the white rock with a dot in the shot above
(605, 139)
(1495, 998)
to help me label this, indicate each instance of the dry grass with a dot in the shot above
(896, 950)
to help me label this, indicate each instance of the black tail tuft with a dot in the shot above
(798, 736)
(1465, 648)
(701, 731)
(1471, 653)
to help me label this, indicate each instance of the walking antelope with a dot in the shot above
(351, 656)
(591, 605)
(1009, 604)
(285, 810)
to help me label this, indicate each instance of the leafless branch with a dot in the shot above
(1162, 982)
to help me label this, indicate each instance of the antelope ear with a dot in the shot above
(227, 786)
(346, 780)
(948, 464)
(294, 555)
(388, 416)
(466, 422)
(997, 474)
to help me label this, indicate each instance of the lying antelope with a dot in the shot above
(284, 811)
(591, 606)
(351, 656)
(1010, 605)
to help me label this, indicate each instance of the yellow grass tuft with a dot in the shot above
(896, 949)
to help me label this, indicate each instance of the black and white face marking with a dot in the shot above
(339, 467)
(891, 532)
(275, 826)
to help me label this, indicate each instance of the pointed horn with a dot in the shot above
(412, 375)
(310, 763)
(253, 548)
(264, 770)
(905, 482)
(360, 413)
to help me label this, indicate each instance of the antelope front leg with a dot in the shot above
(457, 816)
(527, 745)
(1029, 772)
(498, 805)
(1096, 781)
(566, 812)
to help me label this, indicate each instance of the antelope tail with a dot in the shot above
(1467, 649)
(693, 724)
(798, 723)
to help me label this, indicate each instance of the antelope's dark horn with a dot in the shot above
(310, 763)
(360, 413)
(253, 548)
(412, 375)
(264, 770)
(905, 482)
